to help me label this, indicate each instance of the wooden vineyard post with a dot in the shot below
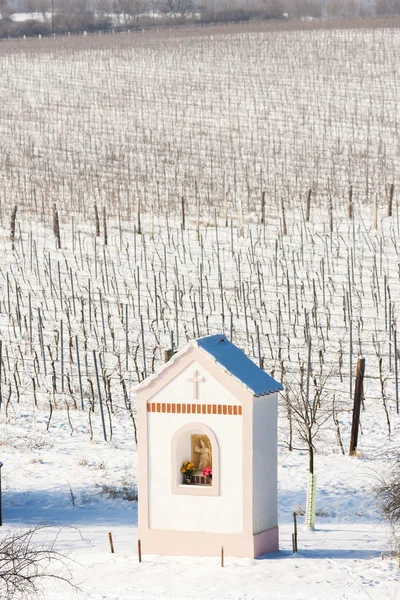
(105, 226)
(284, 228)
(222, 556)
(12, 229)
(97, 220)
(183, 213)
(42, 341)
(263, 208)
(79, 372)
(110, 539)
(57, 231)
(102, 320)
(358, 391)
(308, 205)
(100, 399)
(294, 534)
(330, 213)
(139, 548)
(375, 213)
(138, 225)
(350, 203)
(311, 501)
(390, 200)
(56, 226)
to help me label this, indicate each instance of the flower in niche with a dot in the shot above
(207, 472)
(188, 468)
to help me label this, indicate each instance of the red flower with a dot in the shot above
(207, 472)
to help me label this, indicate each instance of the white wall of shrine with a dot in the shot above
(180, 512)
(265, 460)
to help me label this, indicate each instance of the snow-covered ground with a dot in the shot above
(340, 559)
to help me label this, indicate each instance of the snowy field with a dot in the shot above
(134, 125)
(341, 559)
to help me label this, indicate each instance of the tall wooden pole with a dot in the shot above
(358, 391)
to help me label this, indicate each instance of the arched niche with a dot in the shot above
(181, 450)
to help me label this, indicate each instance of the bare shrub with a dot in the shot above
(130, 10)
(100, 466)
(387, 492)
(112, 492)
(32, 27)
(30, 442)
(176, 8)
(25, 563)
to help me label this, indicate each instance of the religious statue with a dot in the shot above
(201, 452)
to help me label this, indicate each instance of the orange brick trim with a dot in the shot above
(214, 409)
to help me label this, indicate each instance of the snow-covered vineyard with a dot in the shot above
(170, 186)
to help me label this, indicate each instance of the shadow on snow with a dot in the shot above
(55, 507)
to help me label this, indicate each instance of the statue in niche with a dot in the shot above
(201, 452)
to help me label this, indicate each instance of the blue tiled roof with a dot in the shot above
(231, 358)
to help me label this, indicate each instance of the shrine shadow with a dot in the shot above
(322, 554)
(338, 554)
(39, 507)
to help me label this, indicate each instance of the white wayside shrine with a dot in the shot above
(207, 454)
